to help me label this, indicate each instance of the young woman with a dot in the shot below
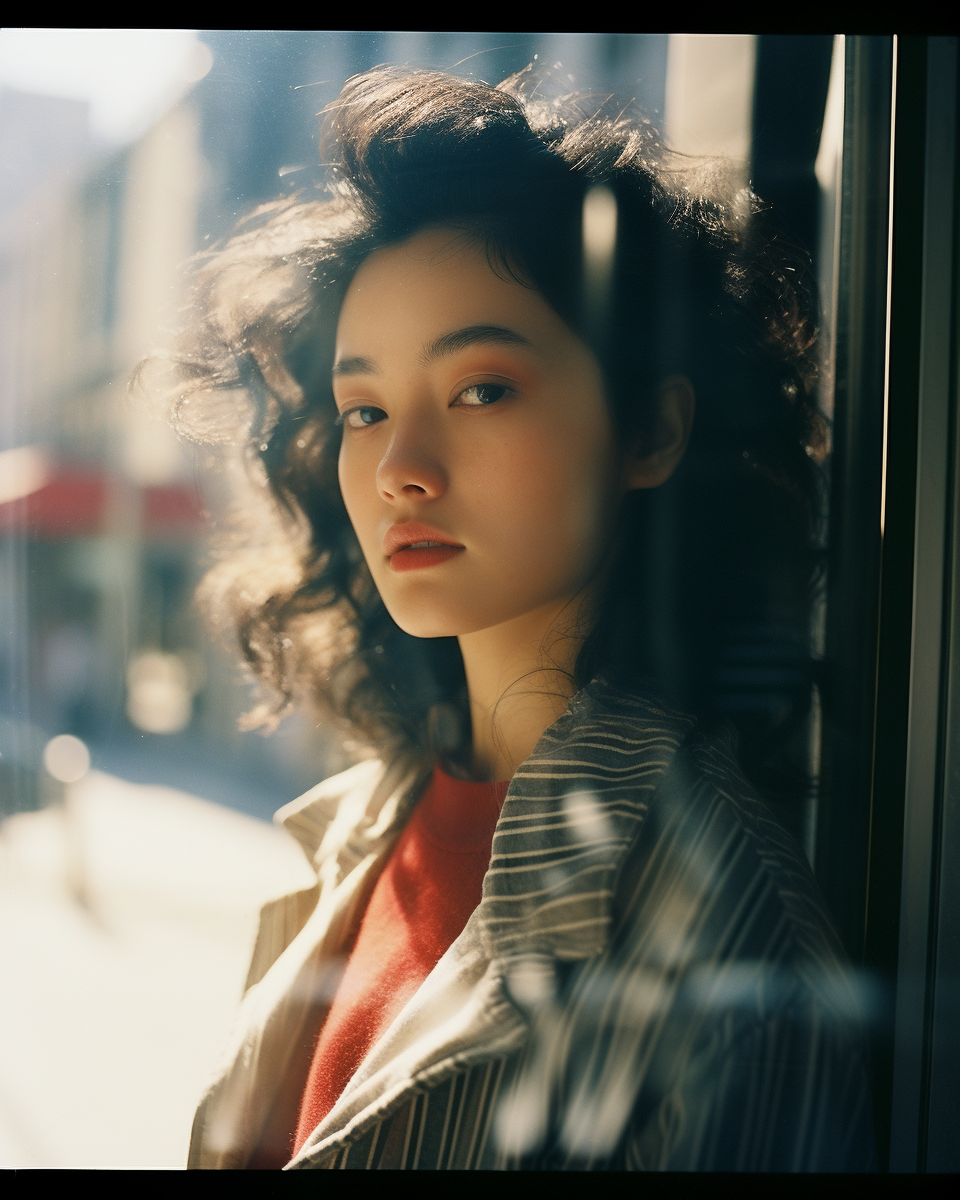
(530, 403)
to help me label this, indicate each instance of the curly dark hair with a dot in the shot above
(709, 599)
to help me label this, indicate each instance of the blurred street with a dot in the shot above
(126, 921)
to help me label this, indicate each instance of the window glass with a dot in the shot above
(137, 781)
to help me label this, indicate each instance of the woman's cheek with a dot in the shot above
(358, 488)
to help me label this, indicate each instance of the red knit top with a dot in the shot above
(420, 904)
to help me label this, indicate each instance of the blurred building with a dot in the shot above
(101, 513)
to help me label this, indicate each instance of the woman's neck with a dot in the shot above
(520, 680)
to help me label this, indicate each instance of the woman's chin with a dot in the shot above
(420, 626)
(442, 622)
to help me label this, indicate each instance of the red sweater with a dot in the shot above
(420, 904)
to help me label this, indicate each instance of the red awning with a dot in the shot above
(74, 504)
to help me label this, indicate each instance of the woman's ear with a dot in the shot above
(654, 459)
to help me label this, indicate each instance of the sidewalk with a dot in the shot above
(126, 921)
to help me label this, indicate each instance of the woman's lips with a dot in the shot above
(411, 546)
(412, 558)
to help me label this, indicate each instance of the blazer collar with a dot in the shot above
(571, 814)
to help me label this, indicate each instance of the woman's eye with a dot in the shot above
(361, 417)
(482, 393)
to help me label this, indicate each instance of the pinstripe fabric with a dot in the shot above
(650, 981)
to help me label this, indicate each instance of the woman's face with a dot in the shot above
(479, 465)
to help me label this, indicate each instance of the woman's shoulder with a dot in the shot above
(701, 965)
(689, 818)
(732, 853)
(743, 902)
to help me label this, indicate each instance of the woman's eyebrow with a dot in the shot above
(472, 335)
(355, 366)
(447, 343)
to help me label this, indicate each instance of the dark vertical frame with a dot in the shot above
(926, 1088)
(889, 821)
(943, 1106)
(881, 937)
(848, 682)
(882, 663)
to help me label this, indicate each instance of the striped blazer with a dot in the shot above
(650, 981)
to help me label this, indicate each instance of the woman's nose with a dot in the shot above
(412, 467)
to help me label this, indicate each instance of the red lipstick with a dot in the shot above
(411, 546)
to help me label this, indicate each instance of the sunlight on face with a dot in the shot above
(479, 465)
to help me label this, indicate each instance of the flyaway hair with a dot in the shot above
(708, 603)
